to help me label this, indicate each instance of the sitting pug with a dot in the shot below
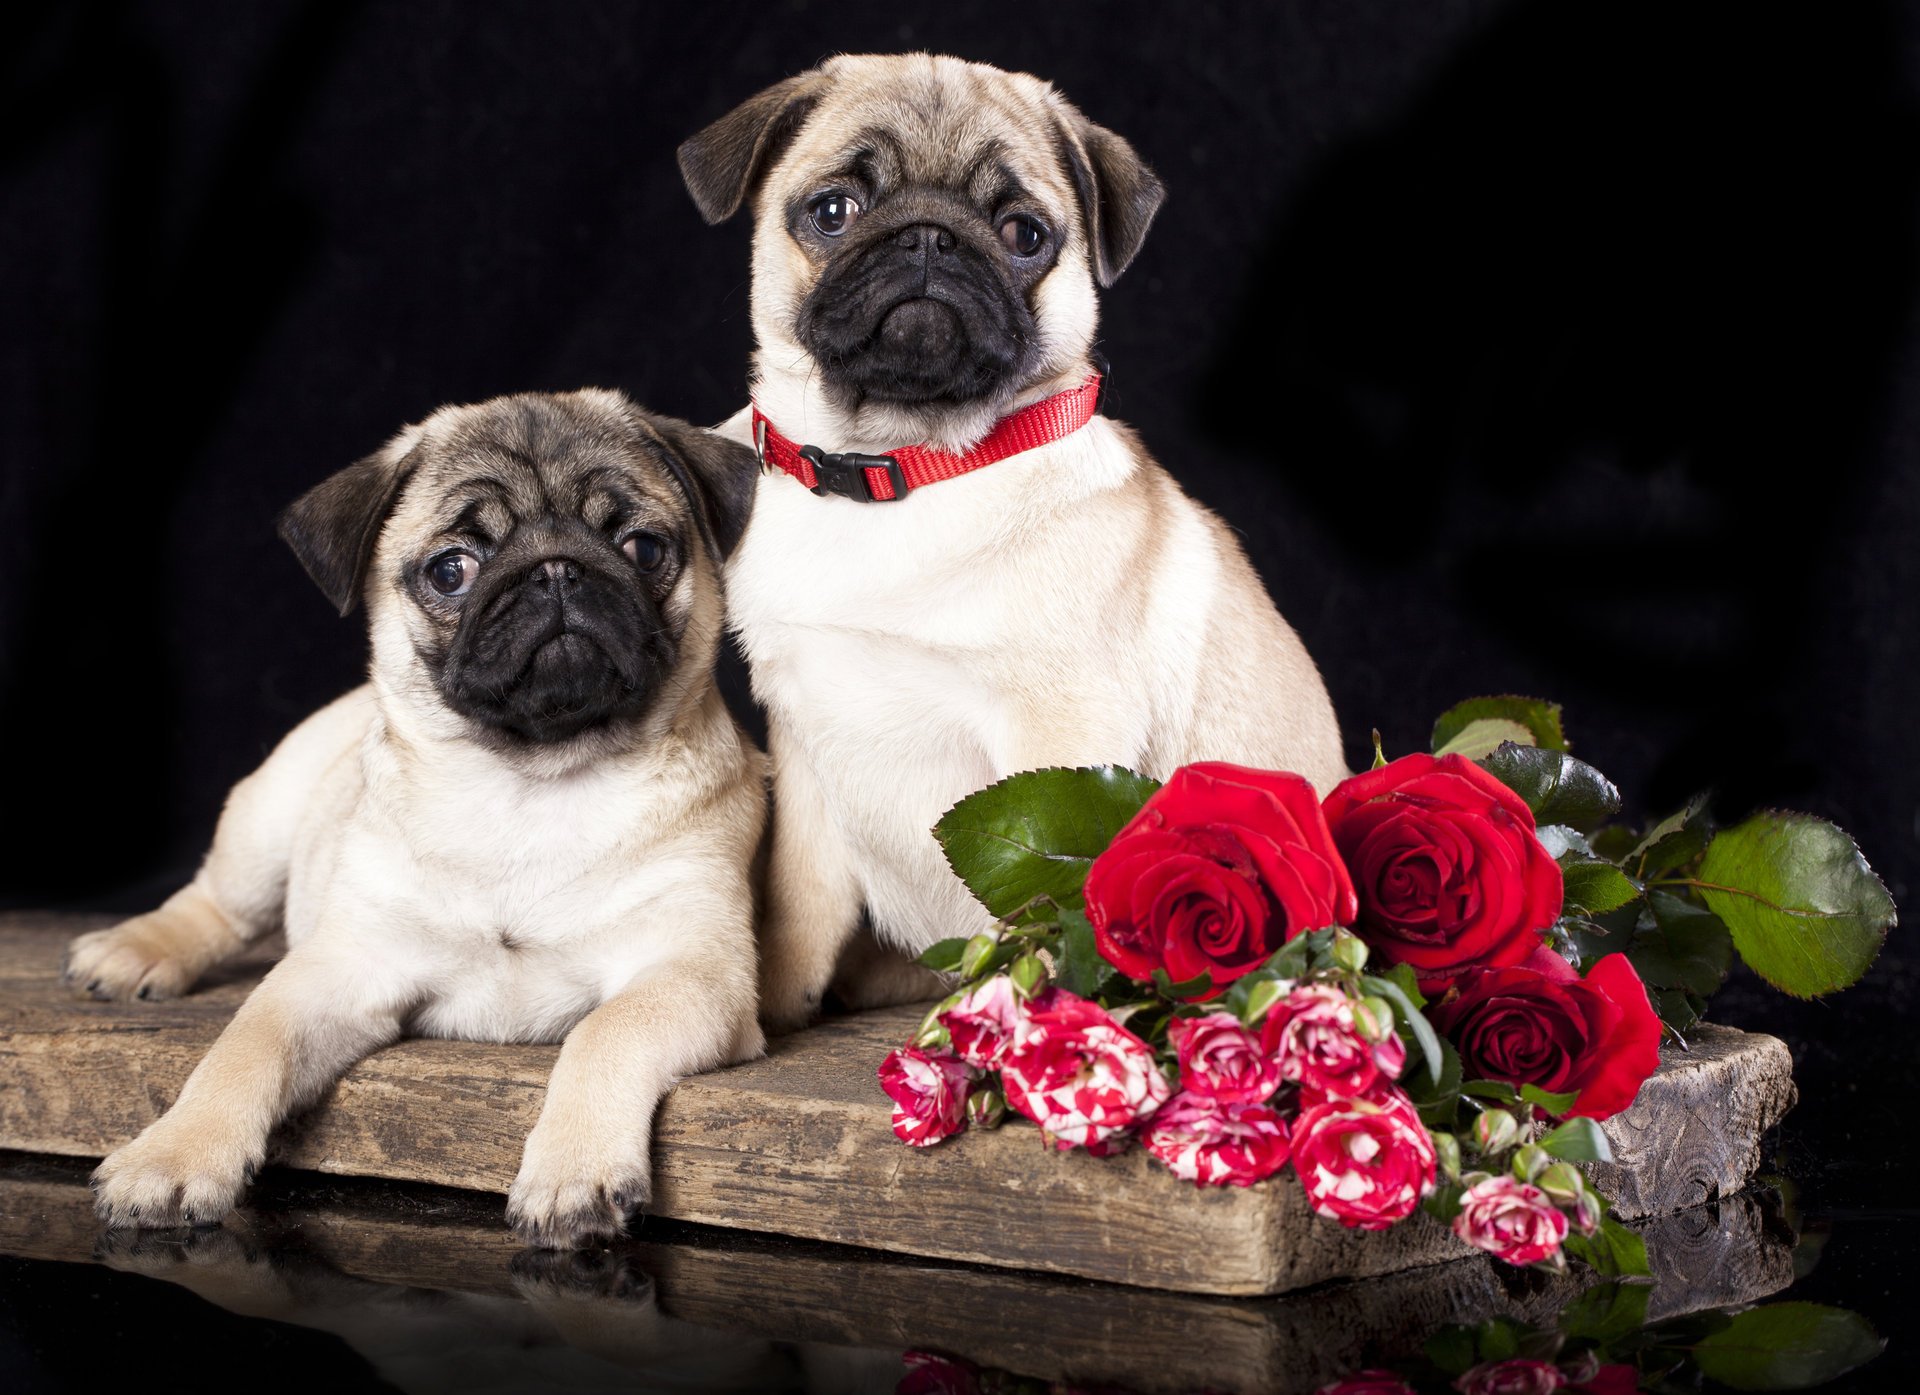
(535, 823)
(958, 568)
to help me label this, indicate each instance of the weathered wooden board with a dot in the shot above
(348, 1256)
(798, 1143)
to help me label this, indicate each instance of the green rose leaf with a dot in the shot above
(1595, 887)
(1436, 1097)
(1082, 969)
(1806, 912)
(1682, 953)
(943, 956)
(1198, 986)
(1613, 1251)
(1558, 788)
(1538, 720)
(1578, 1140)
(1787, 1346)
(1673, 842)
(1478, 739)
(1406, 1010)
(1035, 834)
(1555, 1103)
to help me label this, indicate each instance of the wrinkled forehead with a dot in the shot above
(485, 471)
(946, 125)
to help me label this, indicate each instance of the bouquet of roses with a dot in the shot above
(1425, 989)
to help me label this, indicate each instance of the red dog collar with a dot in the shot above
(875, 479)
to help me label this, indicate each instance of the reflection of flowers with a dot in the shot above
(1519, 1375)
(1370, 1382)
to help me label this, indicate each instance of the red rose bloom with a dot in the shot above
(1540, 1023)
(1078, 1074)
(1221, 1059)
(1223, 866)
(1449, 873)
(1211, 1144)
(929, 1093)
(1364, 1163)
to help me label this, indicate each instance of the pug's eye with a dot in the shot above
(833, 213)
(452, 573)
(1022, 235)
(645, 550)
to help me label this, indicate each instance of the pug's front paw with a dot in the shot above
(569, 1198)
(139, 958)
(172, 1176)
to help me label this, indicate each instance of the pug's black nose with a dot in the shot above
(925, 238)
(555, 574)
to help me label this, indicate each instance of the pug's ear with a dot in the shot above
(333, 527)
(717, 476)
(1118, 193)
(724, 163)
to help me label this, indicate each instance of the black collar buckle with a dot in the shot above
(845, 474)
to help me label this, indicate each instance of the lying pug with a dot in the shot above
(957, 568)
(536, 822)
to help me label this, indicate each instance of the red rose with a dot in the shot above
(1444, 858)
(929, 1094)
(1511, 1220)
(1221, 1059)
(1223, 866)
(1364, 1163)
(1311, 1033)
(1540, 1023)
(1078, 1074)
(1212, 1144)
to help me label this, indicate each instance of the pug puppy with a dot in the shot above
(930, 239)
(535, 823)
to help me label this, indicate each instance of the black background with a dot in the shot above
(1542, 347)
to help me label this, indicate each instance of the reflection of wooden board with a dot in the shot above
(798, 1143)
(338, 1255)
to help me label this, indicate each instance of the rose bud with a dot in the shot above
(1446, 866)
(1222, 1059)
(929, 1094)
(1028, 974)
(1562, 1182)
(1529, 1160)
(986, 1109)
(980, 1022)
(1374, 1018)
(1495, 1131)
(1210, 1143)
(1349, 951)
(1262, 996)
(1222, 866)
(974, 957)
(1364, 1163)
(1588, 1210)
(1519, 1375)
(1540, 1023)
(1511, 1220)
(1447, 1149)
(1316, 1039)
(1078, 1074)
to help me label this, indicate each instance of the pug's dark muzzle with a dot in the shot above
(914, 314)
(555, 648)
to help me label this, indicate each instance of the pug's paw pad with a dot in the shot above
(560, 1209)
(137, 958)
(164, 1179)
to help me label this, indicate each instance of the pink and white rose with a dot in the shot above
(981, 1024)
(1364, 1162)
(1210, 1143)
(929, 1093)
(1313, 1036)
(1222, 1059)
(1511, 1220)
(1078, 1074)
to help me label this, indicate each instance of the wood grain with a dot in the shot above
(798, 1143)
